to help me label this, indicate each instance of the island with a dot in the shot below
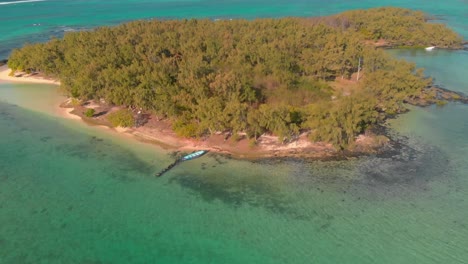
(307, 87)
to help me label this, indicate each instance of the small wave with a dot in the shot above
(20, 2)
(66, 29)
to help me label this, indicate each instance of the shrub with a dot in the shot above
(122, 117)
(441, 103)
(75, 102)
(90, 112)
(185, 129)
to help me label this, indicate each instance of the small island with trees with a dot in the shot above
(325, 80)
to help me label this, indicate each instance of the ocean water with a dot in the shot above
(71, 193)
(448, 69)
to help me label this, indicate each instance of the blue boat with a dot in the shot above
(190, 156)
(193, 155)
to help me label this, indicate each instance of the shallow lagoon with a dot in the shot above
(81, 194)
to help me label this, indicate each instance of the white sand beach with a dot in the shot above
(26, 78)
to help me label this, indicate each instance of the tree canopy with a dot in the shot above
(265, 75)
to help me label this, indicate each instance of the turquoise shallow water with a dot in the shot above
(447, 68)
(76, 194)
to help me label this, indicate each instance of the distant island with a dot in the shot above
(323, 80)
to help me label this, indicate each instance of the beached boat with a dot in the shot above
(193, 155)
(430, 48)
(190, 156)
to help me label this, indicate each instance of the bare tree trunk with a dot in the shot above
(358, 69)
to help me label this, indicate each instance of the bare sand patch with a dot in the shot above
(25, 78)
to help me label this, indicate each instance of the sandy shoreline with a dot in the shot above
(26, 78)
(160, 133)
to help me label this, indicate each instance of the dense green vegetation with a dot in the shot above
(266, 75)
(398, 26)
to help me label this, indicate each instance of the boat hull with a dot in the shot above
(194, 155)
